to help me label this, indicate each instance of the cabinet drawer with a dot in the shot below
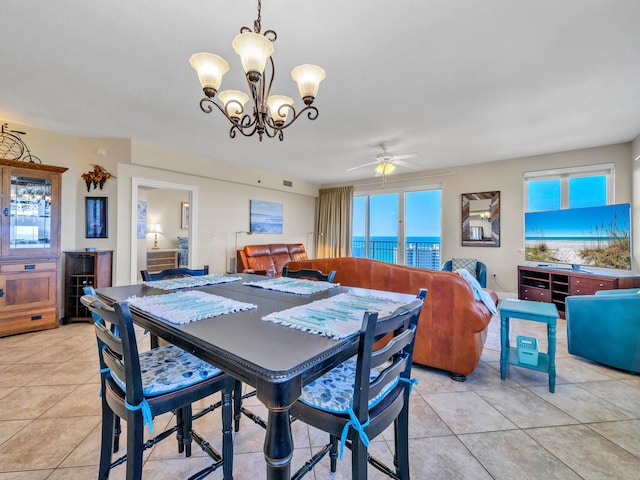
(28, 290)
(589, 286)
(28, 267)
(535, 294)
(36, 319)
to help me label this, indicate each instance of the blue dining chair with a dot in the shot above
(356, 401)
(309, 274)
(136, 387)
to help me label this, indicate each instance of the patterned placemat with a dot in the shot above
(190, 306)
(299, 286)
(337, 317)
(190, 282)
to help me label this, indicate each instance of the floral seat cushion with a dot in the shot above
(170, 368)
(333, 392)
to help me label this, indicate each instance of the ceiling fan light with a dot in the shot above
(254, 50)
(275, 102)
(210, 68)
(385, 168)
(234, 101)
(308, 78)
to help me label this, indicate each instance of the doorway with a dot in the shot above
(141, 184)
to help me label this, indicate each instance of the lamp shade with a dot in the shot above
(274, 102)
(308, 78)
(254, 50)
(385, 168)
(210, 68)
(234, 101)
(155, 228)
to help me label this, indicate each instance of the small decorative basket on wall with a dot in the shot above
(96, 177)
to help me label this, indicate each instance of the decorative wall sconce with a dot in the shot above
(95, 177)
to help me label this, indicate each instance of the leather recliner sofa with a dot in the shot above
(268, 259)
(453, 326)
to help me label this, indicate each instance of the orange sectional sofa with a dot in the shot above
(453, 325)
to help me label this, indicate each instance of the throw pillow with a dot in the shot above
(468, 264)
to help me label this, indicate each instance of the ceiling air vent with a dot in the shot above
(287, 183)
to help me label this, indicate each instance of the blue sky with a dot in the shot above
(577, 222)
(422, 211)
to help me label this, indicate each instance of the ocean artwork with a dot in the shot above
(266, 217)
(595, 236)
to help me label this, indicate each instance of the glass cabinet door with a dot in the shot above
(30, 203)
(30, 223)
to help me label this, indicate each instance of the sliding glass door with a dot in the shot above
(398, 227)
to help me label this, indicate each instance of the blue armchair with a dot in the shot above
(605, 327)
(480, 273)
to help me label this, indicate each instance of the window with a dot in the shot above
(398, 227)
(587, 186)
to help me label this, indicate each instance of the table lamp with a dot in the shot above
(155, 228)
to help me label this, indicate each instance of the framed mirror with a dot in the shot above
(481, 219)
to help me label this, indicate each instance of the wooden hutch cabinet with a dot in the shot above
(29, 246)
(554, 285)
(84, 268)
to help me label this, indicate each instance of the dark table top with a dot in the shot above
(277, 359)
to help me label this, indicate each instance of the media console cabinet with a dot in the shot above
(554, 284)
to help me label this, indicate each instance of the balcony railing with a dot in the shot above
(417, 254)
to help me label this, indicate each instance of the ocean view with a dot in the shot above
(423, 252)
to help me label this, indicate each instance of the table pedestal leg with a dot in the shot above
(278, 445)
(551, 337)
(504, 346)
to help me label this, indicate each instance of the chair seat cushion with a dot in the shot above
(333, 392)
(169, 368)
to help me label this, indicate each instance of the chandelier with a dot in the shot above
(270, 114)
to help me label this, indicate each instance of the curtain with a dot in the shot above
(333, 224)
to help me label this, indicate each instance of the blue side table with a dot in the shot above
(536, 312)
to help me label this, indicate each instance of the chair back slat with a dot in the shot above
(309, 274)
(174, 273)
(396, 353)
(118, 351)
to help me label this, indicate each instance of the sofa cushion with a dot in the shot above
(469, 264)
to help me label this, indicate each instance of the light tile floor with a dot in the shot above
(481, 429)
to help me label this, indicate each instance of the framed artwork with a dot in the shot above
(481, 219)
(96, 217)
(265, 217)
(141, 220)
(184, 219)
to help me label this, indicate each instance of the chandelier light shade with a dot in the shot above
(308, 78)
(385, 168)
(270, 114)
(234, 102)
(211, 68)
(254, 50)
(279, 106)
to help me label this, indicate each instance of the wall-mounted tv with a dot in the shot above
(590, 236)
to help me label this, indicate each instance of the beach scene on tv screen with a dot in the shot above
(592, 236)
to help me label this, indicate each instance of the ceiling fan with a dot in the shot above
(386, 162)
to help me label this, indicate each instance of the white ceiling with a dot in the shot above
(458, 81)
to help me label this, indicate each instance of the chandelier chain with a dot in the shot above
(257, 24)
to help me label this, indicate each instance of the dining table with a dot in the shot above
(273, 358)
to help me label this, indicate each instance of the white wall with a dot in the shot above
(220, 209)
(507, 177)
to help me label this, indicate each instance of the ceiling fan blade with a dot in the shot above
(405, 155)
(404, 164)
(360, 166)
